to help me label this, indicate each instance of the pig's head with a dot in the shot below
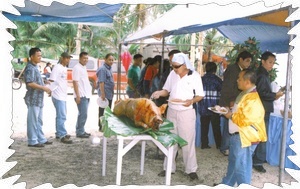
(156, 119)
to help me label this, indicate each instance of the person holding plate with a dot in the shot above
(230, 91)
(246, 128)
(184, 88)
(106, 84)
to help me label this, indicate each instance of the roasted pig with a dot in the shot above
(142, 111)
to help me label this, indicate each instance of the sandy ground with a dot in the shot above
(80, 163)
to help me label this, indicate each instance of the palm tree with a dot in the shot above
(58, 37)
(52, 38)
(215, 43)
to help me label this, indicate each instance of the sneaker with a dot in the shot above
(225, 152)
(205, 147)
(66, 140)
(67, 136)
(84, 135)
(193, 176)
(47, 142)
(259, 168)
(87, 133)
(38, 145)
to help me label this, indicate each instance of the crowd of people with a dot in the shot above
(246, 94)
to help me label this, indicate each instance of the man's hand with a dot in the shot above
(77, 99)
(188, 102)
(229, 113)
(103, 96)
(47, 82)
(47, 90)
(279, 94)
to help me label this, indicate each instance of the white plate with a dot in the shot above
(102, 103)
(218, 112)
(176, 102)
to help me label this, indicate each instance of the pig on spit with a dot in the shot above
(142, 111)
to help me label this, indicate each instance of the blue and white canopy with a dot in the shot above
(92, 14)
(234, 21)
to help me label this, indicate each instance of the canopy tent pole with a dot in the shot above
(119, 72)
(162, 56)
(286, 108)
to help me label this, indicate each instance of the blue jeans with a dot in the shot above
(225, 135)
(239, 169)
(61, 111)
(260, 153)
(35, 133)
(82, 115)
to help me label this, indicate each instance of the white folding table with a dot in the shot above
(123, 150)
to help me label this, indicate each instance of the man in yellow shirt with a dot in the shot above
(246, 128)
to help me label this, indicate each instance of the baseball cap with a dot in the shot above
(66, 55)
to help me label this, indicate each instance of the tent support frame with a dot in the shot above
(286, 108)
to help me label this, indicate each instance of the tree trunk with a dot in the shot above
(78, 39)
(200, 49)
(209, 53)
(192, 52)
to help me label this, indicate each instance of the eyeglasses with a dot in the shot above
(177, 67)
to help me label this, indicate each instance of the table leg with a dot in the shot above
(169, 165)
(104, 145)
(119, 161)
(143, 156)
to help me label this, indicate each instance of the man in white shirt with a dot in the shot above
(59, 87)
(82, 93)
(184, 85)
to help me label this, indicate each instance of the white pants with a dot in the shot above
(185, 127)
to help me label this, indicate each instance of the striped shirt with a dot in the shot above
(212, 86)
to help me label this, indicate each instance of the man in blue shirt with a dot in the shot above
(34, 100)
(212, 86)
(106, 84)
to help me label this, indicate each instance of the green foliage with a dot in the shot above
(53, 38)
(251, 45)
(18, 66)
(214, 42)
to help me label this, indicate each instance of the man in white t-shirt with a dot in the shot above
(184, 85)
(82, 93)
(59, 87)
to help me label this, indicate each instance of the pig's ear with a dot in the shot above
(163, 108)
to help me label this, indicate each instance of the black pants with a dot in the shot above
(101, 111)
(215, 122)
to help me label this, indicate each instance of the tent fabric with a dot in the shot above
(59, 12)
(198, 14)
(235, 25)
(272, 38)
